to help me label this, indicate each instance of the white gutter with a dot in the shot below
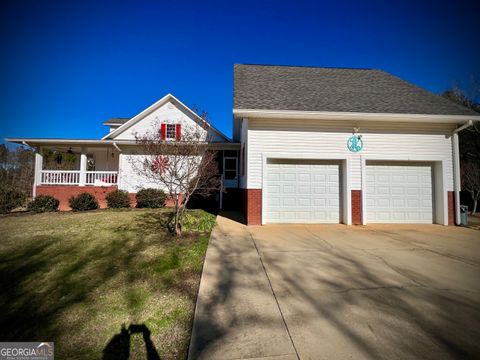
(335, 115)
(33, 142)
(456, 168)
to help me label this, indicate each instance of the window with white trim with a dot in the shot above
(171, 132)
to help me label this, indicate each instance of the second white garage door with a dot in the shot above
(302, 192)
(399, 192)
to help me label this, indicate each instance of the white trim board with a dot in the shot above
(358, 116)
(153, 107)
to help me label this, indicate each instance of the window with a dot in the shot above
(230, 168)
(171, 133)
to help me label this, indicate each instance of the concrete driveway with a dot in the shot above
(338, 292)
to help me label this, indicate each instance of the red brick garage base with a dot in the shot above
(451, 208)
(357, 207)
(252, 206)
(252, 200)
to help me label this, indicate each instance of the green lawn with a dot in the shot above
(78, 278)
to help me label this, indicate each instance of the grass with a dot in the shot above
(99, 284)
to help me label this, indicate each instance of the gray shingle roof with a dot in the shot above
(114, 121)
(269, 87)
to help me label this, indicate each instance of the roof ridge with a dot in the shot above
(310, 66)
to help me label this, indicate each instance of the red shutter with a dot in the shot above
(163, 131)
(178, 132)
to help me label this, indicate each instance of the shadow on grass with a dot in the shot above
(46, 277)
(118, 348)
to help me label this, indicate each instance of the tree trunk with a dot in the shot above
(176, 222)
(475, 201)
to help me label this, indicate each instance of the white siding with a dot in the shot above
(168, 113)
(403, 141)
(244, 143)
(130, 178)
(104, 160)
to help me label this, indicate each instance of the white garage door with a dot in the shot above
(302, 192)
(399, 193)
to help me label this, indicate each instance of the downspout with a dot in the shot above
(456, 168)
(116, 147)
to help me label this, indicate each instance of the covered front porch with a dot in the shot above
(76, 166)
(68, 167)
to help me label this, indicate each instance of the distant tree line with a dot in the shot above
(17, 165)
(469, 141)
(17, 168)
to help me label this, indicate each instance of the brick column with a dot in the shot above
(356, 207)
(451, 208)
(253, 206)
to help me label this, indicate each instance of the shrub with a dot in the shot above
(83, 202)
(118, 199)
(43, 203)
(198, 221)
(151, 198)
(10, 198)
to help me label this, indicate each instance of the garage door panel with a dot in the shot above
(303, 193)
(399, 193)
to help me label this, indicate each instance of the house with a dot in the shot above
(310, 145)
(104, 165)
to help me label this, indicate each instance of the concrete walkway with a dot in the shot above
(338, 292)
(237, 316)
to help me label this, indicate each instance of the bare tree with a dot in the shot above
(469, 138)
(17, 168)
(471, 182)
(181, 167)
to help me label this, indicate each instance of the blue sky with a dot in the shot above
(67, 66)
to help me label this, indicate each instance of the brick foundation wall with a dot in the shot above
(252, 201)
(64, 192)
(451, 208)
(357, 207)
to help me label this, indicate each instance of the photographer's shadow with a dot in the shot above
(118, 348)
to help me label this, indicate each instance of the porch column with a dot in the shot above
(37, 177)
(83, 167)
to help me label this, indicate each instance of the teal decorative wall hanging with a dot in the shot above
(355, 143)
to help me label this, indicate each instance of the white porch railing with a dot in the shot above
(60, 177)
(74, 177)
(100, 178)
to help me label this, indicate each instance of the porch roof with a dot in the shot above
(100, 143)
